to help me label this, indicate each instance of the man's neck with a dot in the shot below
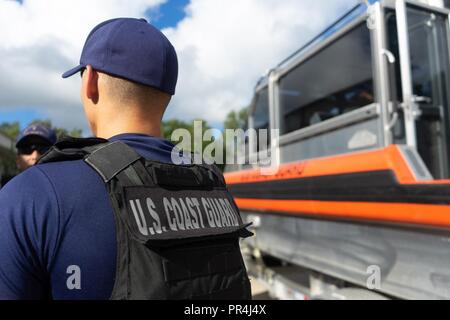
(108, 131)
(131, 119)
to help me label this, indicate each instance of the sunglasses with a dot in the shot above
(27, 150)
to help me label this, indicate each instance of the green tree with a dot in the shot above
(60, 132)
(7, 157)
(169, 126)
(237, 119)
(234, 120)
(7, 164)
(10, 129)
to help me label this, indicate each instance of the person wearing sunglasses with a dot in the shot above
(32, 143)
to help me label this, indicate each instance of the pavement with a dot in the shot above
(259, 291)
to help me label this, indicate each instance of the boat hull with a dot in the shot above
(346, 214)
(413, 262)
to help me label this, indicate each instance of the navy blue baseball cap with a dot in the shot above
(131, 49)
(46, 134)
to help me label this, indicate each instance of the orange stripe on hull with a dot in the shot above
(420, 214)
(389, 158)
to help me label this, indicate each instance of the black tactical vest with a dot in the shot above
(177, 227)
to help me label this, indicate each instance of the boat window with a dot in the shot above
(261, 117)
(430, 76)
(336, 80)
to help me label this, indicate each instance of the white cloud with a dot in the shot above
(223, 48)
(39, 40)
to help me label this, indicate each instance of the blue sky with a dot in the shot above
(168, 14)
(24, 116)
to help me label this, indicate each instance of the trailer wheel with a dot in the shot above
(271, 261)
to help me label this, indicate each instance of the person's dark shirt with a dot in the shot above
(57, 217)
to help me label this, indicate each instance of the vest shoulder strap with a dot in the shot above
(110, 159)
(70, 149)
(107, 158)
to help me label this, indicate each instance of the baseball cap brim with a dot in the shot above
(72, 71)
(42, 140)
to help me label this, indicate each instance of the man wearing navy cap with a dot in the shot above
(57, 222)
(32, 143)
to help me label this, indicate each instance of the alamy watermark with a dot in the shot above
(373, 281)
(73, 281)
(256, 147)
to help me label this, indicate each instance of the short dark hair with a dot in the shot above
(125, 92)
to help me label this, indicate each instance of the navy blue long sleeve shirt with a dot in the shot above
(56, 219)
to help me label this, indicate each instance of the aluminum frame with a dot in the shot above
(381, 75)
(358, 115)
(409, 106)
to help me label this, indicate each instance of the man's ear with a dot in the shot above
(91, 78)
